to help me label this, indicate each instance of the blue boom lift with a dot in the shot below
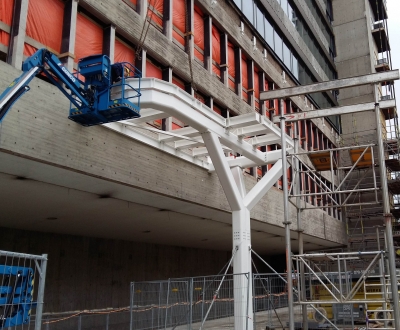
(97, 91)
(16, 288)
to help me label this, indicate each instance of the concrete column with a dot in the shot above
(208, 43)
(261, 83)
(141, 62)
(17, 33)
(190, 28)
(166, 123)
(250, 88)
(224, 59)
(141, 8)
(238, 70)
(109, 42)
(167, 18)
(69, 33)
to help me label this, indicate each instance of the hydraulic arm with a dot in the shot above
(96, 91)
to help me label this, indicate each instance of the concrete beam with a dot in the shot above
(331, 85)
(335, 111)
(18, 33)
(109, 41)
(69, 33)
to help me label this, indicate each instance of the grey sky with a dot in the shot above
(393, 7)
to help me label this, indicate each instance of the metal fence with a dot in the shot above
(189, 303)
(22, 281)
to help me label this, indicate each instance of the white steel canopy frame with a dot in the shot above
(211, 136)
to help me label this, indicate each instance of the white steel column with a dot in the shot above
(387, 215)
(233, 184)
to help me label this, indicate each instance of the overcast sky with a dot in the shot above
(393, 7)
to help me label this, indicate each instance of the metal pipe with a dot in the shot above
(382, 277)
(386, 214)
(335, 149)
(374, 174)
(286, 218)
(40, 297)
(336, 192)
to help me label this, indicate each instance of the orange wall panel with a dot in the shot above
(89, 38)
(198, 33)
(6, 11)
(153, 71)
(123, 53)
(179, 20)
(231, 65)
(216, 50)
(45, 20)
(157, 14)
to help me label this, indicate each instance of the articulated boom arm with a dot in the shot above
(96, 99)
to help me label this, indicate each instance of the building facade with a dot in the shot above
(109, 209)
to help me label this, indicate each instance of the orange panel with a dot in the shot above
(366, 159)
(123, 53)
(179, 20)
(133, 1)
(231, 60)
(157, 14)
(44, 24)
(175, 126)
(245, 80)
(256, 88)
(178, 83)
(153, 71)
(199, 33)
(6, 11)
(217, 109)
(216, 50)
(29, 50)
(89, 38)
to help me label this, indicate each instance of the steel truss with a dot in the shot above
(342, 262)
(339, 194)
(210, 140)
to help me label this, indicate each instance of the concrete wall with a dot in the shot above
(89, 273)
(354, 52)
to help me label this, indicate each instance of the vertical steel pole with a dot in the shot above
(301, 275)
(382, 277)
(191, 304)
(286, 218)
(40, 298)
(131, 306)
(386, 214)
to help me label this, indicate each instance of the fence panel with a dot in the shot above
(22, 281)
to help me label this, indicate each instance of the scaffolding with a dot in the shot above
(351, 175)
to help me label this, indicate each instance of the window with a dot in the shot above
(260, 22)
(286, 56)
(248, 10)
(6, 11)
(269, 33)
(278, 45)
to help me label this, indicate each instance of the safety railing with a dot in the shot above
(22, 281)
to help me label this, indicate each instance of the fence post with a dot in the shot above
(131, 305)
(255, 307)
(107, 320)
(40, 298)
(248, 300)
(166, 307)
(191, 303)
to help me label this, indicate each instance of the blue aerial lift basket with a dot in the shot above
(99, 91)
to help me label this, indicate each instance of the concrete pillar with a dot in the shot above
(142, 8)
(224, 59)
(261, 83)
(167, 18)
(238, 70)
(109, 42)
(166, 123)
(17, 33)
(190, 28)
(141, 62)
(68, 34)
(250, 88)
(208, 43)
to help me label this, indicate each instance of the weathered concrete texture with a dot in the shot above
(129, 24)
(90, 273)
(38, 128)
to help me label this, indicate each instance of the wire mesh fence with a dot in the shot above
(22, 280)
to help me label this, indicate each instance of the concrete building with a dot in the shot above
(109, 209)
